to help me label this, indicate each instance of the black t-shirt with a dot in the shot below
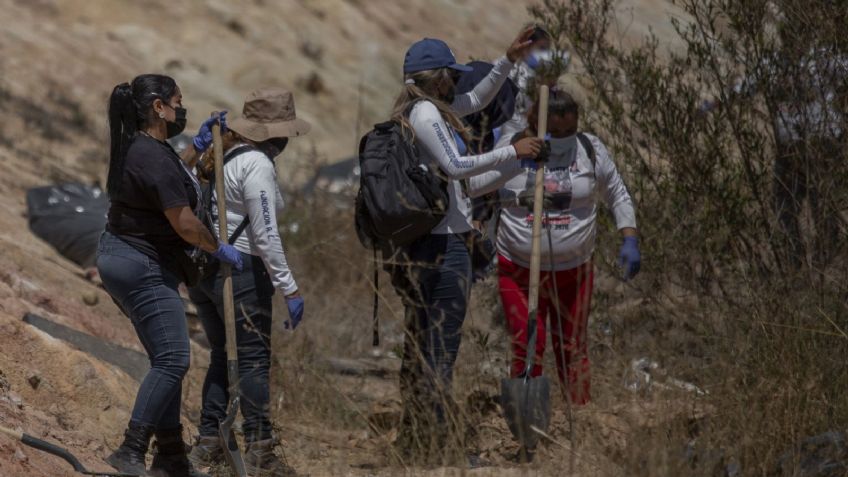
(154, 180)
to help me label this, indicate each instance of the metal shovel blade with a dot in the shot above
(228, 439)
(526, 403)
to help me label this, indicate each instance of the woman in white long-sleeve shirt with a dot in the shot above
(438, 270)
(253, 199)
(573, 184)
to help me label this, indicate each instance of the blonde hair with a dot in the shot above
(206, 164)
(424, 85)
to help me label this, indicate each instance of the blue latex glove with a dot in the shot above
(460, 144)
(229, 254)
(203, 139)
(295, 305)
(629, 257)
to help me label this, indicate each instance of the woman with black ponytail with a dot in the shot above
(151, 236)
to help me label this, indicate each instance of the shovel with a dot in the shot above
(225, 428)
(526, 401)
(57, 451)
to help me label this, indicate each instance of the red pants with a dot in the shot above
(568, 327)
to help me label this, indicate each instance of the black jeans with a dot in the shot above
(252, 296)
(147, 294)
(438, 274)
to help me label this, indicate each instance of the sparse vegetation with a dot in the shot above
(761, 329)
(720, 304)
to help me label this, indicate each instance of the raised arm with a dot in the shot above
(486, 90)
(203, 139)
(433, 136)
(493, 180)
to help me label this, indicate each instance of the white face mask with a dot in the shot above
(564, 148)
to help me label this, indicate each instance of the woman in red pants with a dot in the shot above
(579, 170)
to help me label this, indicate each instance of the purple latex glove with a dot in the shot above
(629, 257)
(230, 255)
(295, 305)
(203, 139)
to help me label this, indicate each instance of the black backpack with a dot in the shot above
(400, 199)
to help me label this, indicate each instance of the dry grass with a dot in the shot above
(716, 306)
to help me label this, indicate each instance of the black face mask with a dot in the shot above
(273, 147)
(179, 124)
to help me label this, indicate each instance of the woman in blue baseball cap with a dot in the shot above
(438, 266)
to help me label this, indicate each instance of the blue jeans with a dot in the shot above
(147, 294)
(439, 278)
(252, 295)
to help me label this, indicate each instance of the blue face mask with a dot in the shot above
(532, 61)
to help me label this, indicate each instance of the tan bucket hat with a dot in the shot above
(269, 113)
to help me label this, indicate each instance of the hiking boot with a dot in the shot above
(525, 455)
(476, 461)
(206, 451)
(129, 457)
(260, 461)
(170, 458)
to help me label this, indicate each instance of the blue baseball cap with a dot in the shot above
(430, 54)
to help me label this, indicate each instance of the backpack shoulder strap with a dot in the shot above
(590, 151)
(238, 151)
(208, 198)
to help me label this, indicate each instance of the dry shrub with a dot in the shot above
(748, 308)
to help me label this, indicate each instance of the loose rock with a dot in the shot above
(20, 456)
(90, 298)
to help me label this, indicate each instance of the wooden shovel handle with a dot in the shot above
(12, 433)
(539, 194)
(223, 233)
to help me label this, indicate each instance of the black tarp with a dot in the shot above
(70, 217)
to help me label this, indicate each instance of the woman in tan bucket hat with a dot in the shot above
(253, 199)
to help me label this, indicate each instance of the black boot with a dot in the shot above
(170, 458)
(260, 461)
(206, 451)
(129, 457)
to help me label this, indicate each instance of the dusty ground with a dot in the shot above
(58, 62)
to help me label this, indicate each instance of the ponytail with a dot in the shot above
(129, 110)
(123, 125)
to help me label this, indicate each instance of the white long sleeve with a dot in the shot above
(615, 193)
(573, 225)
(492, 180)
(436, 141)
(485, 91)
(252, 190)
(496, 178)
(437, 147)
